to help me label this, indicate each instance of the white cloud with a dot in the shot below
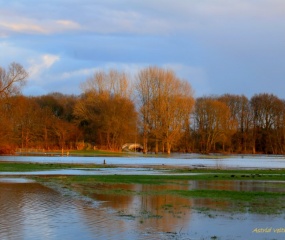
(67, 24)
(41, 64)
(22, 27)
(16, 23)
(84, 72)
(145, 17)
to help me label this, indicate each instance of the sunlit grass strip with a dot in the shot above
(96, 153)
(27, 167)
(228, 195)
(169, 179)
(239, 201)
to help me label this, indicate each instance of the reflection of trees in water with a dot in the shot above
(149, 207)
(115, 201)
(174, 211)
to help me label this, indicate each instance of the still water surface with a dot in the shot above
(182, 160)
(29, 210)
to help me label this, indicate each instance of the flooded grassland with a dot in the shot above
(113, 203)
(204, 206)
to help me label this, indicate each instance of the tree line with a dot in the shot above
(156, 109)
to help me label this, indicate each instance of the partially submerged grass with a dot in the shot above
(238, 201)
(197, 175)
(113, 185)
(246, 196)
(26, 167)
(251, 201)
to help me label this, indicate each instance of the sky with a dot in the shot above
(219, 46)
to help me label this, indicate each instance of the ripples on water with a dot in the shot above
(32, 211)
(29, 211)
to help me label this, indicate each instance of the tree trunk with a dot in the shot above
(168, 146)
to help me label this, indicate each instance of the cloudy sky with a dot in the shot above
(219, 46)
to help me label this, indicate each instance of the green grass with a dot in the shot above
(247, 196)
(163, 179)
(197, 174)
(239, 201)
(96, 153)
(26, 167)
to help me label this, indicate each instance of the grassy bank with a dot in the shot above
(27, 167)
(87, 153)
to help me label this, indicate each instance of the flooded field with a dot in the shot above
(179, 160)
(29, 210)
(140, 198)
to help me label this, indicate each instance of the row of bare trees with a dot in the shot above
(157, 109)
(31, 122)
(233, 123)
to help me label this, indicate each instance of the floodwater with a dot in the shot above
(29, 210)
(180, 160)
(99, 171)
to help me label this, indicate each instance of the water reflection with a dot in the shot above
(163, 212)
(32, 211)
(29, 210)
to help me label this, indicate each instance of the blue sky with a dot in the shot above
(219, 46)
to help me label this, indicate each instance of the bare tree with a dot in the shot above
(105, 110)
(165, 106)
(214, 123)
(12, 79)
(268, 113)
(113, 83)
(240, 113)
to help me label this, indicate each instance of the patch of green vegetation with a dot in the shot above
(157, 179)
(240, 201)
(129, 179)
(167, 206)
(123, 213)
(147, 214)
(234, 201)
(97, 153)
(26, 167)
(232, 174)
(107, 191)
(247, 196)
